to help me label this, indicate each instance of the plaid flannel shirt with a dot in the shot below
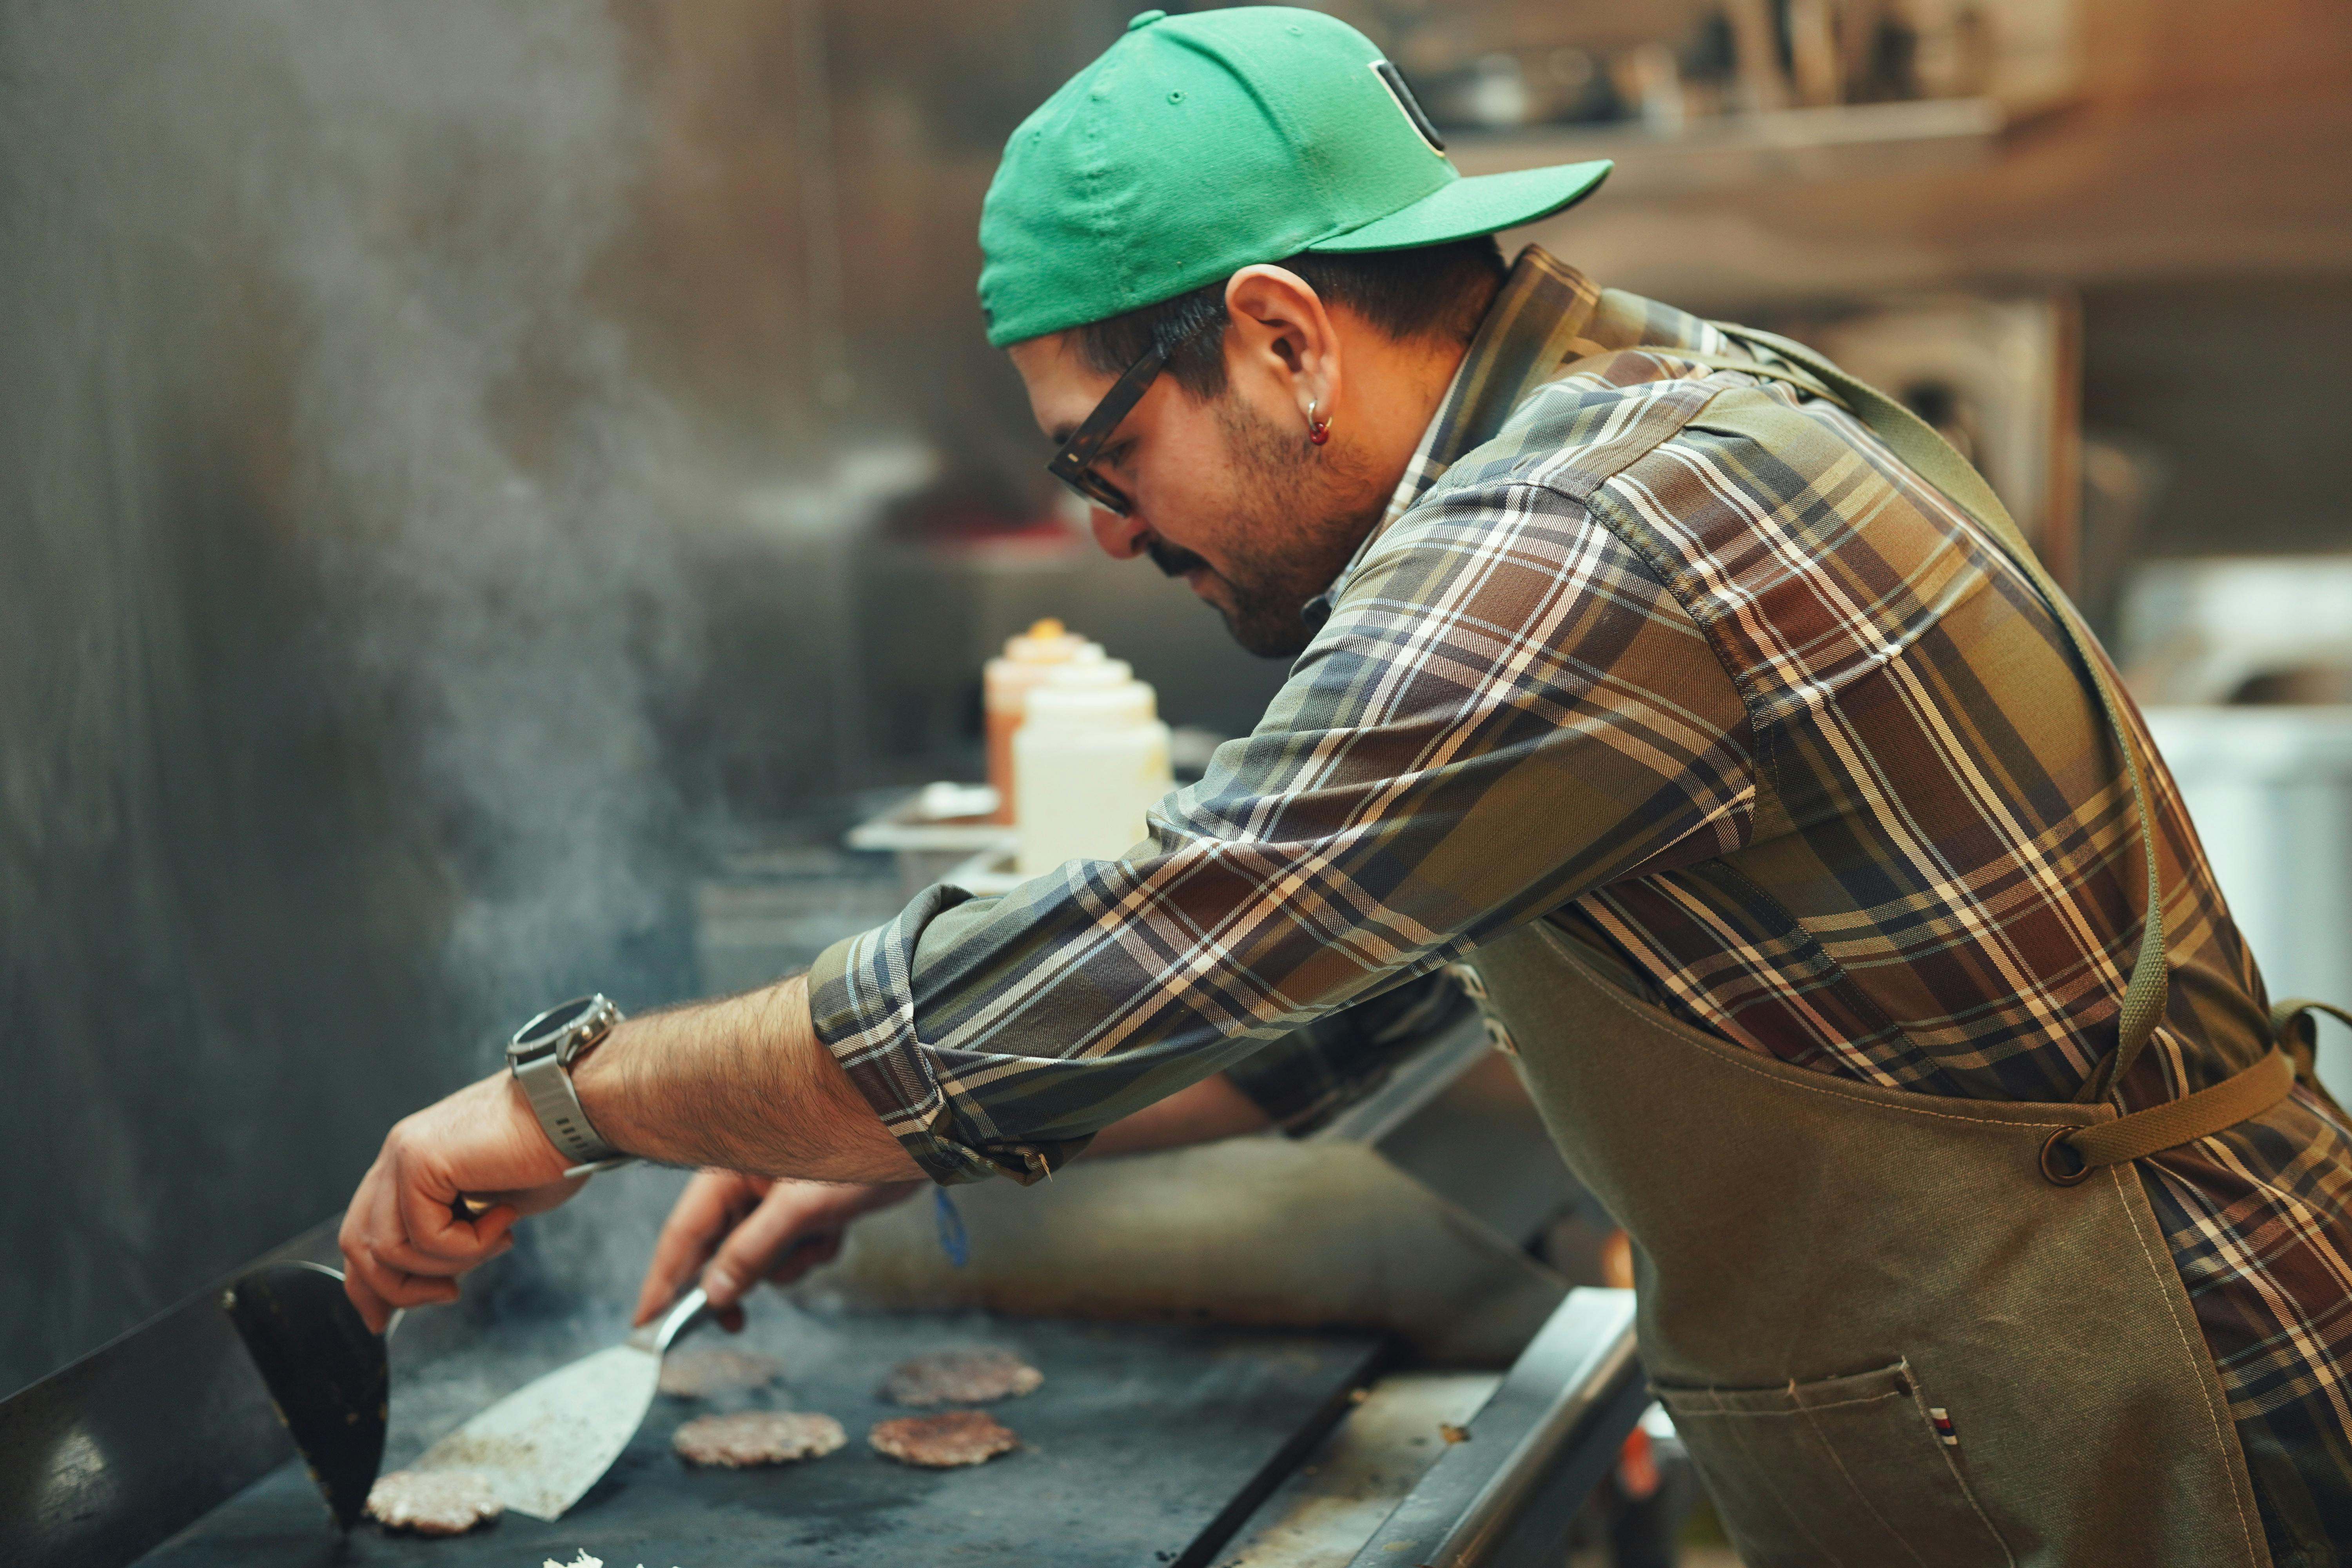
(1754, 722)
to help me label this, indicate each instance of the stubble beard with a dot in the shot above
(1289, 540)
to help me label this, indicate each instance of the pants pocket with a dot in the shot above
(1847, 1472)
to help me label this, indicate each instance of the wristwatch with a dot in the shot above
(541, 1055)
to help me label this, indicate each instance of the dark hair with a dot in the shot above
(1426, 291)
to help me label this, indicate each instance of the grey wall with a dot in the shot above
(324, 534)
(443, 448)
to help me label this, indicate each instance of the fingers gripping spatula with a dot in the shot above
(542, 1447)
(325, 1372)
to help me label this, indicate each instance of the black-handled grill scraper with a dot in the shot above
(325, 1373)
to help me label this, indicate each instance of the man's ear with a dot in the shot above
(1283, 339)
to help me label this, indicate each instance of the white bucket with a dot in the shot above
(2270, 789)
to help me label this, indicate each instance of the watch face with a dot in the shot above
(549, 1026)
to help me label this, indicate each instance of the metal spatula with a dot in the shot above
(542, 1447)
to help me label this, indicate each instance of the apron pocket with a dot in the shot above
(1847, 1472)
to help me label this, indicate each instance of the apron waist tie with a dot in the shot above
(2072, 1154)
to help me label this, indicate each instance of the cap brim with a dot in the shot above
(1476, 205)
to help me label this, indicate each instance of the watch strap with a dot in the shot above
(556, 1103)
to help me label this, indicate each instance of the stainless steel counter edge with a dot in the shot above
(144, 1434)
(1505, 1494)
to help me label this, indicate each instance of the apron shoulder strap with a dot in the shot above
(1932, 459)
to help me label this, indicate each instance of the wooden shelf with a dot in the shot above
(1746, 150)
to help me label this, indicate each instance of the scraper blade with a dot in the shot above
(325, 1372)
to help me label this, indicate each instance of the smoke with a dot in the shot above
(478, 461)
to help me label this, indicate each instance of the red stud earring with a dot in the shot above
(1317, 430)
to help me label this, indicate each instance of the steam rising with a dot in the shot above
(479, 453)
(350, 599)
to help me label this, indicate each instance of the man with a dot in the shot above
(1699, 714)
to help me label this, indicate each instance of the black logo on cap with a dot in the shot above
(1393, 80)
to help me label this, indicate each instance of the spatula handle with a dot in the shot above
(684, 1313)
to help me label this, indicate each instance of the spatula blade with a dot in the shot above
(542, 1447)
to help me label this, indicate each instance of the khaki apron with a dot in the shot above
(1895, 1328)
(1825, 1268)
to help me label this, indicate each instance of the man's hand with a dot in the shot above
(750, 1228)
(405, 1239)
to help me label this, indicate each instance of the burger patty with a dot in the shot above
(941, 1442)
(432, 1502)
(700, 1372)
(757, 1437)
(960, 1377)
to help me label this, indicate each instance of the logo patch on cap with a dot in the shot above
(1393, 80)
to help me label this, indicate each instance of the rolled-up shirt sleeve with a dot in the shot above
(1505, 710)
(1320, 1068)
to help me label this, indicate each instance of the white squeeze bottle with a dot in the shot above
(1027, 659)
(1090, 757)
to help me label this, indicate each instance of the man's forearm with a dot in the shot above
(1210, 1110)
(742, 1083)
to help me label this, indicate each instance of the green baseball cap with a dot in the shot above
(1198, 144)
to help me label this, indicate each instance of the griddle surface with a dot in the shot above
(1142, 1438)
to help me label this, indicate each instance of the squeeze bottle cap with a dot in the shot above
(1046, 642)
(1095, 691)
(1088, 670)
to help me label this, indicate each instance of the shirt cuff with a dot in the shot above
(862, 1003)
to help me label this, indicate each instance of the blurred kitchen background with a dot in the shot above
(490, 492)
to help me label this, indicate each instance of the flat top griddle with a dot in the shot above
(1147, 1445)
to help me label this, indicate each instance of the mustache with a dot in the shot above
(1174, 560)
